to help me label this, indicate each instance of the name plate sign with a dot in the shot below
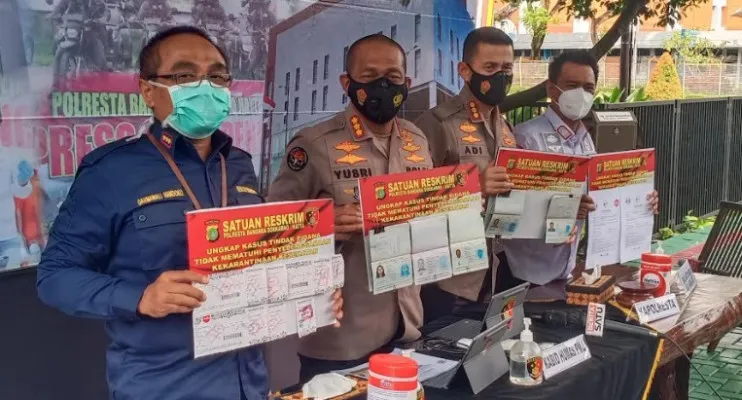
(658, 308)
(595, 319)
(565, 355)
(686, 278)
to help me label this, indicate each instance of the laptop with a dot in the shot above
(502, 306)
(478, 361)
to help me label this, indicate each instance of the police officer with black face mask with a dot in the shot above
(469, 128)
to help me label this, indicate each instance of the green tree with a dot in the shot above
(665, 12)
(536, 20)
(691, 48)
(664, 84)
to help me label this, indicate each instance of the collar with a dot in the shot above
(169, 138)
(561, 128)
(471, 106)
(359, 131)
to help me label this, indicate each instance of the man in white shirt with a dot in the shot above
(571, 86)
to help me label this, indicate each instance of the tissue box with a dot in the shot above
(359, 392)
(579, 293)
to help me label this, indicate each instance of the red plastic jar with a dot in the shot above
(657, 269)
(393, 377)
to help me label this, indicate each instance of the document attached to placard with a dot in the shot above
(422, 226)
(272, 271)
(620, 228)
(545, 199)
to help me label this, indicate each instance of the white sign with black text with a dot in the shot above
(564, 356)
(595, 319)
(686, 279)
(657, 308)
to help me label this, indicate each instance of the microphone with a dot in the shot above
(578, 318)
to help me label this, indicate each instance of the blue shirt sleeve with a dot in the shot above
(72, 275)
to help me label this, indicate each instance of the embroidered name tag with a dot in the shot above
(245, 189)
(167, 194)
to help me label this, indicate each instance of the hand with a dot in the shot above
(654, 202)
(586, 205)
(337, 306)
(495, 180)
(348, 221)
(172, 293)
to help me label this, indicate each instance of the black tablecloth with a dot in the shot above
(619, 367)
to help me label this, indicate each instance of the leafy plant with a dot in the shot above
(665, 82)
(692, 223)
(692, 48)
(614, 96)
(666, 233)
(536, 20)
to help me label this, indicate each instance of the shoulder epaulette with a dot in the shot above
(98, 154)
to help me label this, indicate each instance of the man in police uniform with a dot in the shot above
(117, 250)
(325, 161)
(469, 128)
(571, 87)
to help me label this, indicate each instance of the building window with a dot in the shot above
(296, 108)
(314, 101)
(394, 32)
(452, 74)
(440, 62)
(287, 85)
(327, 67)
(315, 67)
(450, 42)
(286, 112)
(297, 79)
(345, 58)
(418, 21)
(439, 27)
(418, 61)
(458, 49)
(325, 90)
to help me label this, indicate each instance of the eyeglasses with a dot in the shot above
(194, 80)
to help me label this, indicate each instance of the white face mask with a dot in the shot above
(575, 103)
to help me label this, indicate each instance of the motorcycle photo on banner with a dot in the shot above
(76, 88)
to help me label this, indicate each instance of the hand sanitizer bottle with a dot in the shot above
(526, 364)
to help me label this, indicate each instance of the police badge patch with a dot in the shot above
(296, 159)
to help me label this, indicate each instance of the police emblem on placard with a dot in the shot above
(362, 96)
(380, 191)
(212, 230)
(460, 178)
(297, 158)
(599, 168)
(572, 168)
(397, 100)
(485, 87)
(312, 216)
(508, 310)
(511, 163)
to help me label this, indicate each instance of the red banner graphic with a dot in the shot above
(534, 170)
(392, 199)
(238, 237)
(611, 170)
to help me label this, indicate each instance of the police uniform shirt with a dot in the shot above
(325, 161)
(458, 133)
(533, 260)
(120, 227)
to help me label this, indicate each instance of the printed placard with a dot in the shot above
(338, 271)
(277, 320)
(469, 256)
(431, 266)
(278, 283)
(658, 308)
(595, 322)
(302, 279)
(323, 275)
(391, 274)
(686, 278)
(565, 355)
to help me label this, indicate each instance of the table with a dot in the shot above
(618, 369)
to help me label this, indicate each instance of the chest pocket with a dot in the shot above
(472, 144)
(345, 181)
(161, 229)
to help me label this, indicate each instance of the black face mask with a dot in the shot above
(490, 89)
(379, 100)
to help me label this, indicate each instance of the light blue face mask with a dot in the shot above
(198, 109)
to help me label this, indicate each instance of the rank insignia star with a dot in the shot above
(347, 146)
(350, 159)
(415, 158)
(405, 135)
(357, 127)
(474, 111)
(411, 147)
